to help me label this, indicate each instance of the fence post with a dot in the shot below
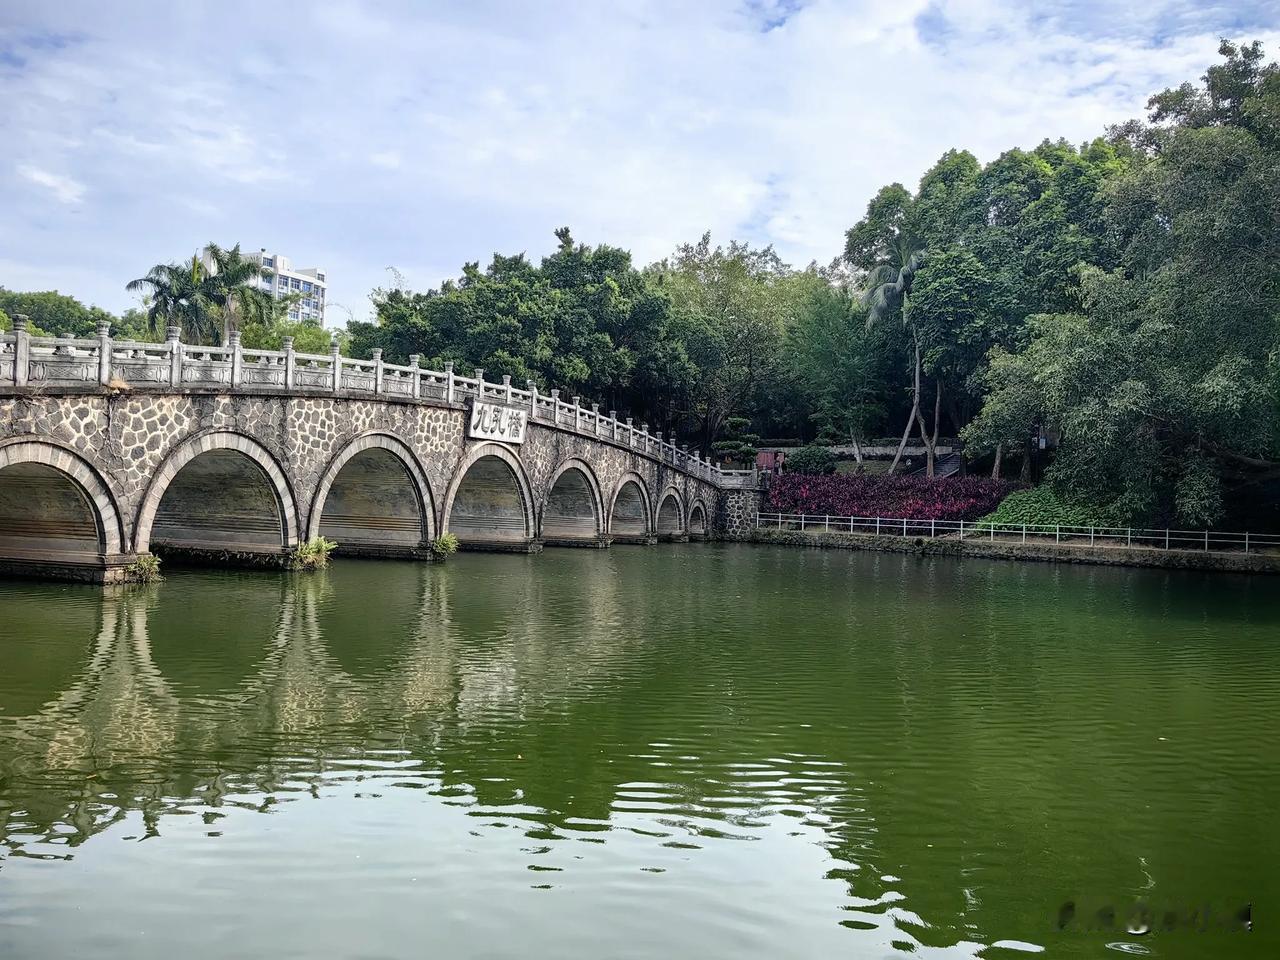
(1246, 541)
(961, 529)
(933, 529)
(290, 362)
(877, 526)
(415, 388)
(1166, 538)
(506, 386)
(826, 523)
(1024, 533)
(1128, 536)
(448, 381)
(479, 375)
(1091, 536)
(237, 358)
(993, 533)
(104, 352)
(1057, 533)
(21, 350)
(595, 417)
(1206, 539)
(904, 526)
(613, 424)
(802, 523)
(172, 338)
(577, 415)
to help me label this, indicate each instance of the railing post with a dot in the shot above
(1128, 536)
(1024, 533)
(479, 383)
(877, 526)
(933, 533)
(377, 370)
(290, 362)
(577, 415)
(631, 433)
(415, 388)
(448, 381)
(172, 337)
(233, 343)
(595, 418)
(904, 527)
(506, 386)
(1206, 539)
(532, 387)
(1246, 541)
(336, 358)
(104, 352)
(555, 406)
(1166, 538)
(644, 435)
(1057, 533)
(613, 423)
(21, 350)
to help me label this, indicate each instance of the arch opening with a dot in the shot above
(46, 515)
(221, 500)
(571, 516)
(671, 518)
(489, 507)
(373, 507)
(698, 521)
(629, 518)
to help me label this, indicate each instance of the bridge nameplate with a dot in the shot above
(495, 421)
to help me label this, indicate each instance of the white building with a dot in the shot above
(283, 278)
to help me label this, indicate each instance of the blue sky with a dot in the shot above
(357, 136)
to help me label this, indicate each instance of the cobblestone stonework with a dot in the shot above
(132, 442)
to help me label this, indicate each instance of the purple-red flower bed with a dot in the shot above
(899, 497)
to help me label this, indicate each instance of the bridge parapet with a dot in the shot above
(65, 364)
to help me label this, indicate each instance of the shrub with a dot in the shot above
(312, 555)
(1041, 506)
(444, 545)
(812, 460)
(144, 569)
(899, 497)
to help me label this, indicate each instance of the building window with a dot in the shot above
(306, 286)
(268, 261)
(296, 283)
(320, 277)
(293, 314)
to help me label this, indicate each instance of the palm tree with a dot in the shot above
(230, 287)
(888, 289)
(175, 297)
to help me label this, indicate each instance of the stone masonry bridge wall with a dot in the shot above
(109, 449)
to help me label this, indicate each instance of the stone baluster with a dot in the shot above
(21, 350)
(290, 361)
(377, 369)
(104, 352)
(644, 436)
(577, 415)
(237, 357)
(173, 338)
(336, 358)
(506, 387)
(532, 387)
(479, 383)
(595, 416)
(555, 406)
(613, 423)
(448, 381)
(631, 434)
(660, 450)
(415, 388)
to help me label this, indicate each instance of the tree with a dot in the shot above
(730, 307)
(174, 297)
(54, 312)
(209, 302)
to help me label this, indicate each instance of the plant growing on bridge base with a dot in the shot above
(144, 569)
(312, 555)
(444, 545)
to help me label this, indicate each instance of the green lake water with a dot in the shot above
(696, 751)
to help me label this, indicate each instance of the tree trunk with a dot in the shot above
(857, 449)
(915, 412)
(995, 467)
(931, 442)
(1025, 473)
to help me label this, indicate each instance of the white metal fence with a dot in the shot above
(1167, 539)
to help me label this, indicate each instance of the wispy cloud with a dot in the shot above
(427, 136)
(63, 188)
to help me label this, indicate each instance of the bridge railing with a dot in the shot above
(67, 362)
(1204, 541)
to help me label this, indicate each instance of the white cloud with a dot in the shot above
(427, 136)
(64, 188)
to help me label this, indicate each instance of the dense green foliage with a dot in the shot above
(1042, 506)
(813, 460)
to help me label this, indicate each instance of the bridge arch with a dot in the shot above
(222, 491)
(374, 498)
(489, 505)
(630, 518)
(698, 526)
(55, 506)
(671, 515)
(573, 511)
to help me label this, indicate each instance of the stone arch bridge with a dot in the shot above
(112, 449)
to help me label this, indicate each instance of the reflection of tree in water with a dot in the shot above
(716, 693)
